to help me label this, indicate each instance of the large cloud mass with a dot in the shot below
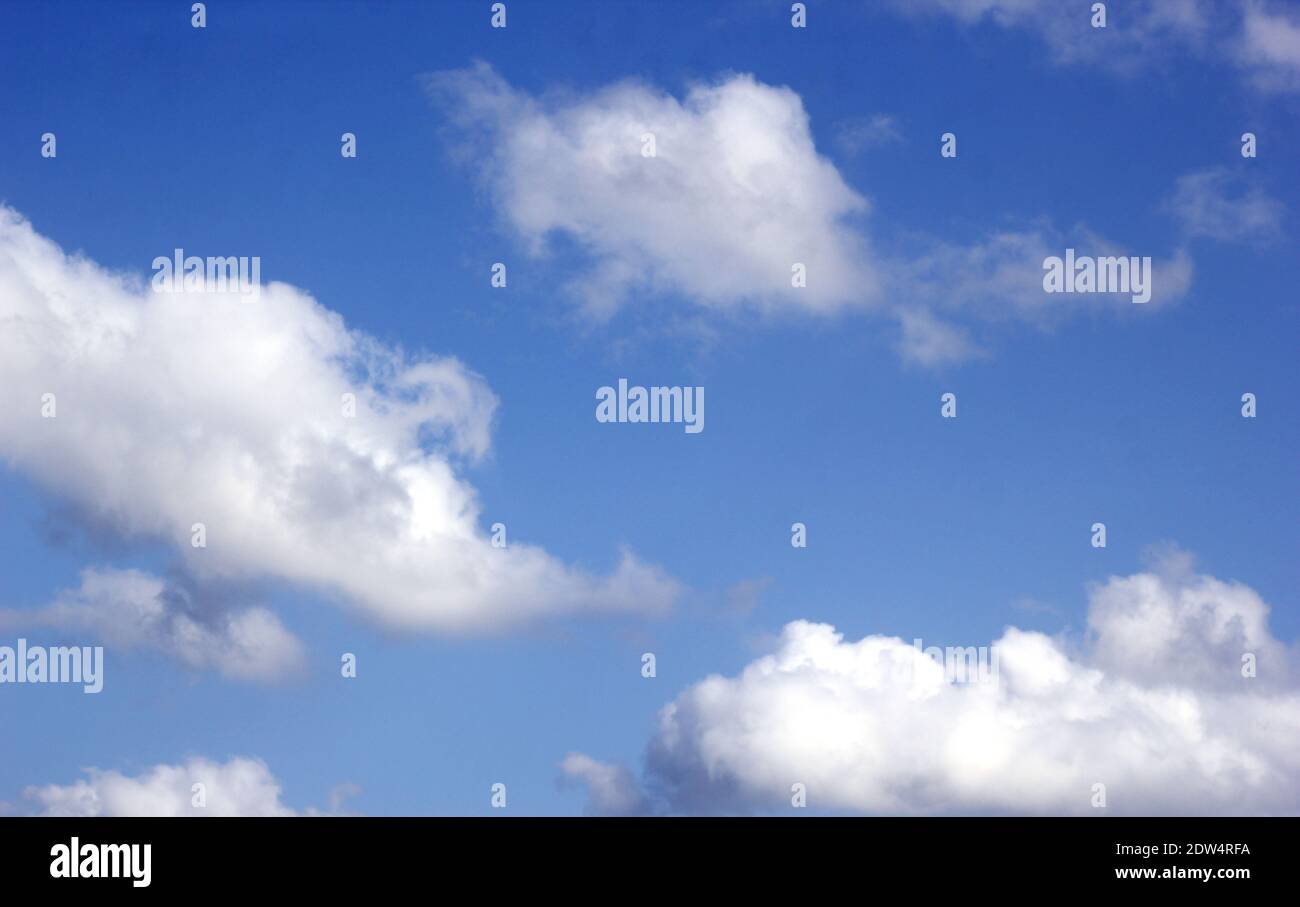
(1154, 706)
(185, 408)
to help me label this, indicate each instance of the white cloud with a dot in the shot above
(176, 409)
(127, 609)
(1222, 205)
(341, 793)
(1260, 38)
(744, 596)
(861, 133)
(1000, 278)
(1154, 706)
(734, 196)
(611, 789)
(1175, 625)
(929, 341)
(239, 787)
(1136, 32)
(1269, 47)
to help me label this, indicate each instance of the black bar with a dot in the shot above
(333, 856)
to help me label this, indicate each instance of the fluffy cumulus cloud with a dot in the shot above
(733, 197)
(1154, 705)
(173, 409)
(238, 787)
(130, 609)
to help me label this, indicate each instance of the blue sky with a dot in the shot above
(226, 139)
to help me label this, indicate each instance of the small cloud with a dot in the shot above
(744, 596)
(131, 609)
(1269, 47)
(612, 790)
(341, 792)
(1151, 31)
(1034, 606)
(241, 786)
(859, 134)
(1219, 204)
(928, 341)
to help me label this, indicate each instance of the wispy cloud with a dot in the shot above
(1261, 39)
(1223, 205)
(859, 134)
(1269, 46)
